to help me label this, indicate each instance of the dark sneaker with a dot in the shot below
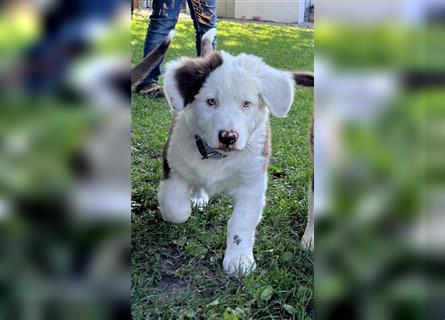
(153, 90)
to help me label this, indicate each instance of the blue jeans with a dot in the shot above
(164, 18)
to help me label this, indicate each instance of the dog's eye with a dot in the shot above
(211, 101)
(246, 104)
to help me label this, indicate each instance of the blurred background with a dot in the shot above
(380, 159)
(64, 159)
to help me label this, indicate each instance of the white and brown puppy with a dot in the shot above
(219, 140)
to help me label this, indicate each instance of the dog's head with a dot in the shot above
(225, 98)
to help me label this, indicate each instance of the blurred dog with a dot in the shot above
(219, 139)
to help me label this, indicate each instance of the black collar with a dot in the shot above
(206, 151)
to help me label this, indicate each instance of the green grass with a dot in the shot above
(176, 269)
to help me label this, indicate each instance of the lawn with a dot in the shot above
(176, 269)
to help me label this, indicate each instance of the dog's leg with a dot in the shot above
(249, 203)
(199, 198)
(307, 241)
(174, 200)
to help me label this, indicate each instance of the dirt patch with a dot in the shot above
(278, 175)
(154, 154)
(170, 284)
(169, 288)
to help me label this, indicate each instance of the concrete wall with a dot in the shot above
(225, 8)
(271, 10)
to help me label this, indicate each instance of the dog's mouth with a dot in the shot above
(221, 151)
(227, 149)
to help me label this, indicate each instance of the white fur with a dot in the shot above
(241, 173)
(171, 34)
(274, 85)
(209, 35)
(174, 99)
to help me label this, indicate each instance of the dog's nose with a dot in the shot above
(227, 137)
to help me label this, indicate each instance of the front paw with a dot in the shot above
(239, 263)
(199, 199)
(307, 241)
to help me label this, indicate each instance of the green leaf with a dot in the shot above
(187, 313)
(286, 257)
(266, 293)
(229, 314)
(282, 202)
(302, 291)
(213, 303)
(290, 309)
(195, 249)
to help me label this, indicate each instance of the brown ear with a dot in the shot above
(304, 78)
(143, 68)
(185, 77)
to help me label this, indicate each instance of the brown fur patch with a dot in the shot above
(304, 78)
(206, 47)
(266, 147)
(311, 137)
(191, 76)
(165, 166)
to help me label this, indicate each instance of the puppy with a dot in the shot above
(219, 140)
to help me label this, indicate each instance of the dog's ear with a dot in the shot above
(277, 89)
(185, 77)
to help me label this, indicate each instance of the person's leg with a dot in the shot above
(162, 20)
(203, 13)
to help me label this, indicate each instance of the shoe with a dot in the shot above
(152, 90)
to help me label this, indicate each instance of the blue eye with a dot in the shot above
(246, 104)
(211, 101)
